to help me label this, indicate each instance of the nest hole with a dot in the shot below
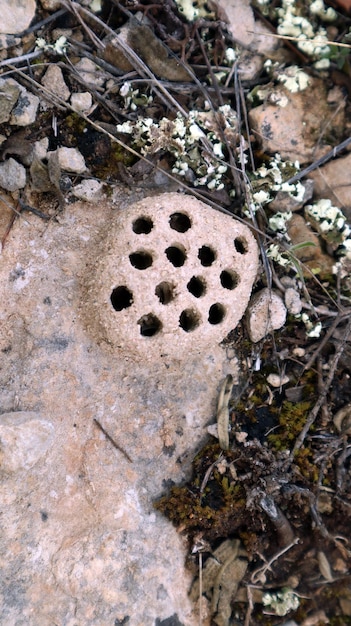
(143, 226)
(165, 292)
(141, 259)
(207, 256)
(189, 320)
(196, 286)
(180, 222)
(216, 313)
(121, 298)
(240, 245)
(176, 255)
(229, 279)
(150, 325)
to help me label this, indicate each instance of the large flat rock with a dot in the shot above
(81, 542)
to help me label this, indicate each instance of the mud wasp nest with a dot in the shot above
(173, 277)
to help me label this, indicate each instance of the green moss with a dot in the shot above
(292, 419)
(217, 510)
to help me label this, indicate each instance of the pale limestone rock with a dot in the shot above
(266, 312)
(16, 15)
(88, 190)
(53, 81)
(24, 438)
(332, 181)
(90, 73)
(81, 101)
(277, 381)
(295, 129)
(292, 301)
(68, 159)
(251, 34)
(81, 543)
(12, 175)
(173, 277)
(9, 93)
(25, 110)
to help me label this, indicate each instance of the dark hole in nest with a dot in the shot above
(207, 256)
(240, 245)
(141, 259)
(142, 226)
(150, 325)
(216, 313)
(189, 320)
(164, 292)
(180, 222)
(229, 279)
(196, 286)
(176, 255)
(121, 298)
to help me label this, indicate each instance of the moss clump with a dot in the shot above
(292, 419)
(217, 510)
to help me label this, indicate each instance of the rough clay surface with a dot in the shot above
(80, 542)
(172, 277)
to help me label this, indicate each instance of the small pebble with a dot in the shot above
(277, 381)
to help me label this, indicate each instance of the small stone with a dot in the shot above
(51, 5)
(310, 255)
(90, 73)
(25, 111)
(16, 15)
(68, 159)
(40, 148)
(53, 81)
(25, 437)
(81, 101)
(332, 181)
(88, 190)
(266, 312)
(277, 381)
(292, 301)
(293, 130)
(8, 41)
(12, 175)
(342, 420)
(9, 93)
(299, 352)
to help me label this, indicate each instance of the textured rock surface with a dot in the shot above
(333, 181)
(16, 15)
(81, 543)
(294, 130)
(173, 276)
(266, 312)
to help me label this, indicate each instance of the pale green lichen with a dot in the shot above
(281, 602)
(312, 38)
(191, 12)
(183, 137)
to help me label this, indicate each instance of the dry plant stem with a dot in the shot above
(313, 414)
(109, 438)
(134, 59)
(255, 577)
(330, 155)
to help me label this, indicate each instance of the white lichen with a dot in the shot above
(281, 602)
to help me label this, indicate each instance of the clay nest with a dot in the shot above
(283, 487)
